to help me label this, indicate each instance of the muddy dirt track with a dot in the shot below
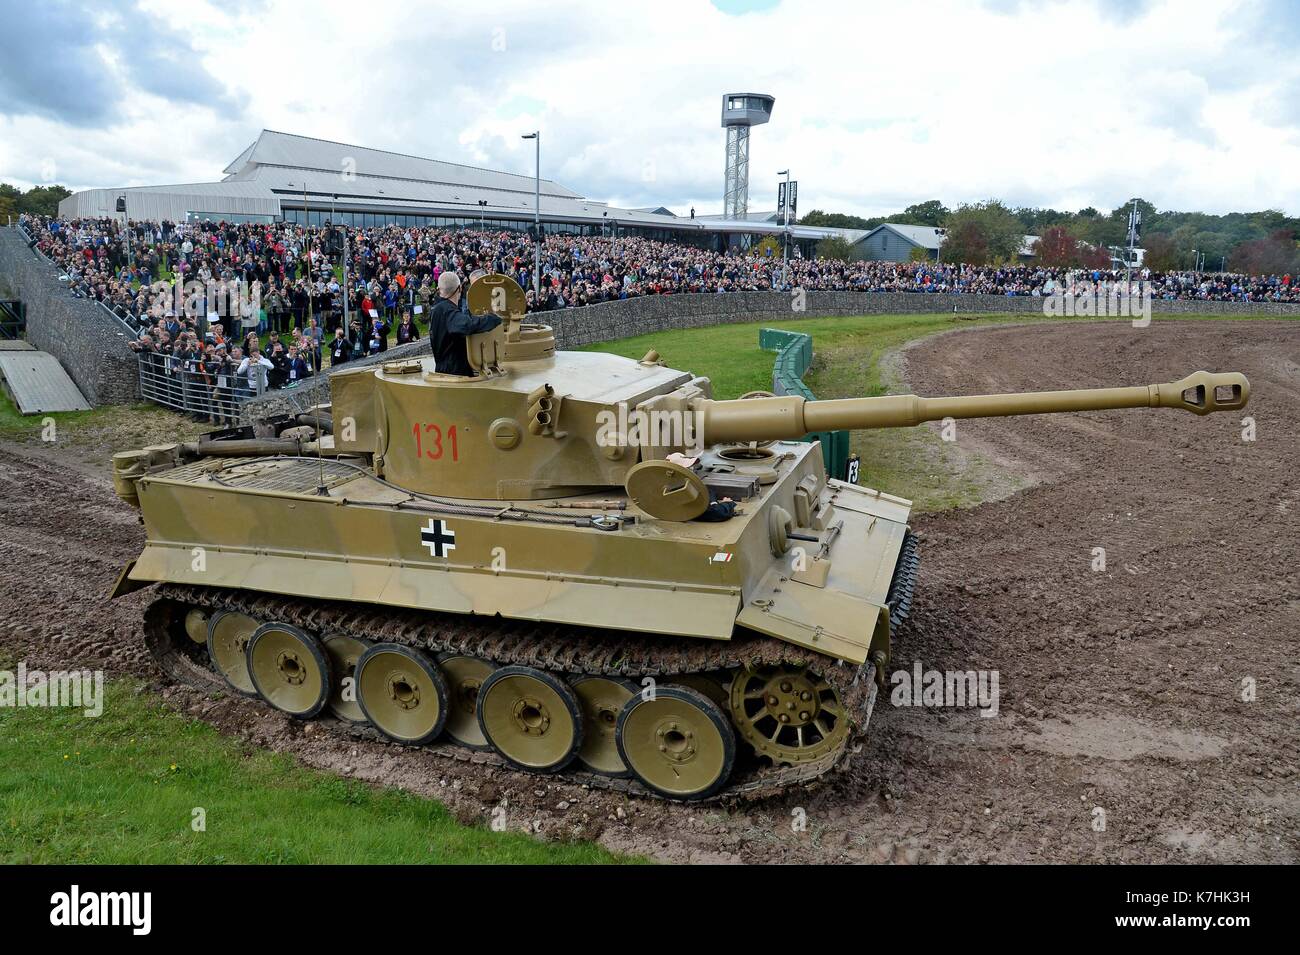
(1120, 690)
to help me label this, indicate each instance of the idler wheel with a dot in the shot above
(679, 743)
(402, 693)
(290, 669)
(196, 625)
(531, 718)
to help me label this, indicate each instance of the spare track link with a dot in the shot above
(546, 646)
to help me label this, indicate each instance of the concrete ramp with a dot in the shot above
(38, 382)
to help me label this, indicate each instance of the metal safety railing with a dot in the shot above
(192, 387)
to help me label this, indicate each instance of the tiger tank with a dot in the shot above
(566, 563)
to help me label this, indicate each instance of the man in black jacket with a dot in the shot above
(279, 373)
(448, 327)
(340, 347)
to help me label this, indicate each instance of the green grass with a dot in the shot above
(97, 434)
(123, 787)
(16, 426)
(729, 354)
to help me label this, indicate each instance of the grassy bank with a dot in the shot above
(94, 436)
(730, 356)
(125, 787)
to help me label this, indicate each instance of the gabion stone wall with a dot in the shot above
(86, 340)
(656, 313)
(314, 391)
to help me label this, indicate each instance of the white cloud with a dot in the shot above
(878, 105)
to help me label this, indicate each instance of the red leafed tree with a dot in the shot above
(1275, 255)
(1056, 248)
(965, 242)
(1093, 256)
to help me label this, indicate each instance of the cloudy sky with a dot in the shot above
(1189, 104)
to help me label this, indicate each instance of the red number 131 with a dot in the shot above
(433, 433)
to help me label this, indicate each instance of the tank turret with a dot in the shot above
(534, 423)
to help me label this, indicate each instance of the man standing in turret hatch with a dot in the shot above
(448, 327)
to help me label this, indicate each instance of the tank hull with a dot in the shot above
(764, 637)
(262, 526)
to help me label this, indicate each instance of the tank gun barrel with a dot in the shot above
(791, 417)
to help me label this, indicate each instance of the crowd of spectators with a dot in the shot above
(293, 270)
(226, 310)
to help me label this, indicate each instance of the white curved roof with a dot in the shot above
(272, 148)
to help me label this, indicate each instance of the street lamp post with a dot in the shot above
(344, 293)
(536, 135)
(126, 227)
(785, 228)
(306, 244)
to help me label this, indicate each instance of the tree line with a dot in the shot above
(992, 232)
(36, 201)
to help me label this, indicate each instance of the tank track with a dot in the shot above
(903, 584)
(565, 651)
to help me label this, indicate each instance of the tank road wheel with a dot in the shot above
(464, 676)
(290, 669)
(228, 636)
(602, 699)
(344, 652)
(402, 693)
(788, 714)
(531, 718)
(679, 743)
(196, 625)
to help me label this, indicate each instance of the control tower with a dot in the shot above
(739, 112)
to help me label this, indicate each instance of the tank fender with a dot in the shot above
(125, 584)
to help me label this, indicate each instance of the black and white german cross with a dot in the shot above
(438, 537)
